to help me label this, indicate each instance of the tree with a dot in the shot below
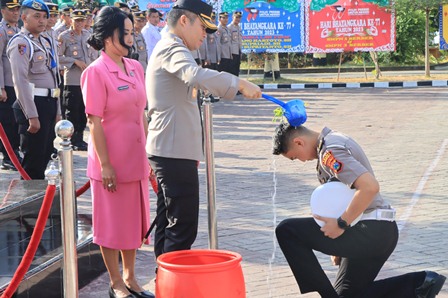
(426, 6)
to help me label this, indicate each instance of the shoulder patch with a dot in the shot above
(330, 161)
(22, 48)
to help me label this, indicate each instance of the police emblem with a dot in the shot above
(330, 161)
(37, 5)
(40, 57)
(75, 53)
(140, 48)
(10, 32)
(21, 48)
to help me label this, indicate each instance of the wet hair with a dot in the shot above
(284, 133)
(175, 14)
(108, 20)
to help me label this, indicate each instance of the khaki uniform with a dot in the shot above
(237, 44)
(341, 158)
(224, 39)
(74, 47)
(213, 48)
(35, 81)
(141, 50)
(6, 113)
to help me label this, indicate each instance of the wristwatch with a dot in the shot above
(343, 224)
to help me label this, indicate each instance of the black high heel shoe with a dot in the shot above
(143, 294)
(113, 295)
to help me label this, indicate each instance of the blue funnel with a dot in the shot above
(293, 110)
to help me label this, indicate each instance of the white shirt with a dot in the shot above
(152, 36)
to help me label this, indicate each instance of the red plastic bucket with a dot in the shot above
(200, 274)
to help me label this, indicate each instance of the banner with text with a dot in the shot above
(443, 26)
(346, 25)
(269, 25)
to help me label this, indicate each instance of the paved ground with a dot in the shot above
(403, 131)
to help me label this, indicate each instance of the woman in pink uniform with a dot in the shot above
(114, 95)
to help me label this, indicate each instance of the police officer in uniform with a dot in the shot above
(34, 76)
(8, 28)
(75, 56)
(139, 47)
(360, 250)
(66, 20)
(237, 42)
(174, 140)
(213, 48)
(225, 43)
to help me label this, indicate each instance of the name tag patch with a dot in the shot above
(123, 87)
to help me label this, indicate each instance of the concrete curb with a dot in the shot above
(407, 84)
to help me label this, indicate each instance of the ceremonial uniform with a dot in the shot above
(213, 51)
(139, 46)
(175, 135)
(224, 38)
(363, 247)
(237, 44)
(73, 47)
(6, 113)
(34, 76)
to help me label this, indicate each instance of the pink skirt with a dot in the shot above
(120, 218)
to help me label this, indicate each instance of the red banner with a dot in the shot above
(349, 26)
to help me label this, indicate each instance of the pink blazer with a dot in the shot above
(119, 100)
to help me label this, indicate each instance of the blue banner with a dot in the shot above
(443, 27)
(270, 26)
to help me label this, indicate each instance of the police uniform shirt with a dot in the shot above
(60, 28)
(341, 158)
(140, 48)
(237, 39)
(6, 32)
(73, 47)
(37, 69)
(203, 51)
(225, 41)
(213, 48)
(172, 80)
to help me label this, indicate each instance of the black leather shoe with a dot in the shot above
(431, 285)
(8, 165)
(143, 294)
(113, 295)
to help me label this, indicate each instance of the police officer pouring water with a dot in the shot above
(75, 56)
(8, 28)
(34, 76)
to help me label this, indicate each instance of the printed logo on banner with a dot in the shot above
(269, 25)
(341, 25)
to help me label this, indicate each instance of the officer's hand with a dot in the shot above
(330, 228)
(4, 96)
(336, 261)
(34, 125)
(80, 64)
(249, 90)
(108, 177)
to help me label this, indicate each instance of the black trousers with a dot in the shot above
(37, 147)
(9, 122)
(236, 63)
(225, 65)
(75, 110)
(213, 66)
(364, 249)
(177, 203)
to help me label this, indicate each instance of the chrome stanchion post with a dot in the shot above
(210, 172)
(64, 130)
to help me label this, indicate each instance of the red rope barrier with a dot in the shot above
(83, 189)
(34, 242)
(11, 154)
